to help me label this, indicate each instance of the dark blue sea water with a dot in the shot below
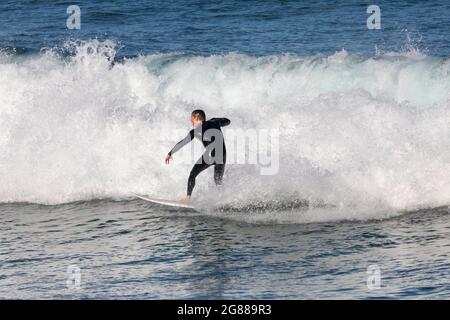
(217, 27)
(351, 200)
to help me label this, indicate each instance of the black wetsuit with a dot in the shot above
(215, 153)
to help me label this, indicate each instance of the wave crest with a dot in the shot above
(354, 131)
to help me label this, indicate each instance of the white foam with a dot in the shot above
(369, 132)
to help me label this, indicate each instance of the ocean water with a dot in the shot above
(357, 200)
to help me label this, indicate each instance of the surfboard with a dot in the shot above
(169, 203)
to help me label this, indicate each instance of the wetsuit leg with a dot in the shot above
(198, 167)
(219, 169)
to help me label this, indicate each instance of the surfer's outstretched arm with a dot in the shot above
(180, 145)
(221, 121)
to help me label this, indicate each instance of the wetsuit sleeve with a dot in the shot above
(182, 143)
(221, 121)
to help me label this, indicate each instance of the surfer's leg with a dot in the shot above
(219, 169)
(198, 167)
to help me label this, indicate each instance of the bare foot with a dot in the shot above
(186, 200)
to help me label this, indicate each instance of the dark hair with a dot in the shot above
(200, 114)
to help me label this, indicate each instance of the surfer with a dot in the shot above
(210, 134)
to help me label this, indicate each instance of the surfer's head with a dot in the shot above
(197, 117)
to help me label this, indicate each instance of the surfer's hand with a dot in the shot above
(168, 157)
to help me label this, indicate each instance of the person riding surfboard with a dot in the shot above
(210, 134)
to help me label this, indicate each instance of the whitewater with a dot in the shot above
(354, 131)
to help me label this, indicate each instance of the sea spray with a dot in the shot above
(354, 131)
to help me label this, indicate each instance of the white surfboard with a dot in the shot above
(163, 202)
